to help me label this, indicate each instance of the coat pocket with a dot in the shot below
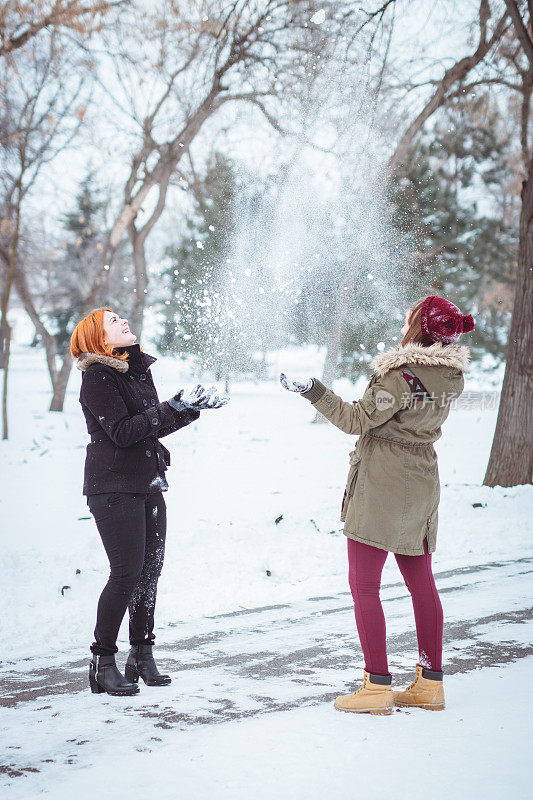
(100, 455)
(136, 460)
(120, 460)
(355, 459)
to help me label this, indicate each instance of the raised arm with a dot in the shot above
(383, 397)
(101, 395)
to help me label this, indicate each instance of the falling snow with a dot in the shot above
(319, 17)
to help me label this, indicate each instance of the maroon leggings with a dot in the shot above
(365, 568)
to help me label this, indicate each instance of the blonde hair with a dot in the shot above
(414, 331)
(88, 336)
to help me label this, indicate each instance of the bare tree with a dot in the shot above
(41, 109)
(20, 22)
(210, 56)
(452, 80)
(196, 58)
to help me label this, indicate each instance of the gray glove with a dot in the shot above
(295, 386)
(200, 398)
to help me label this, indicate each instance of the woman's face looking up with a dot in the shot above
(116, 330)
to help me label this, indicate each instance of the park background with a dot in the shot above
(264, 186)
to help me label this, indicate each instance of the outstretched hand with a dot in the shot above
(200, 398)
(295, 386)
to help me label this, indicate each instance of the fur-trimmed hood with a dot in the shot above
(85, 360)
(137, 359)
(456, 356)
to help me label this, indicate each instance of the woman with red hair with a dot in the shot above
(391, 500)
(124, 481)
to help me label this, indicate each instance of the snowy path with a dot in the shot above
(251, 662)
(254, 621)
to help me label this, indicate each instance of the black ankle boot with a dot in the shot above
(141, 662)
(104, 676)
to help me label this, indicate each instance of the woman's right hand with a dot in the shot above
(295, 386)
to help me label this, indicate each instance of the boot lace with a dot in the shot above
(413, 684)
(363, 686)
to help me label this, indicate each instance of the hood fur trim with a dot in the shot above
(84, 360)
(454, 355)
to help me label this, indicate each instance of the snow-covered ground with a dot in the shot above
(233, 473)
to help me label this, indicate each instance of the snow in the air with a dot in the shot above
(319, 17)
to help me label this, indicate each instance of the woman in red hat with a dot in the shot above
(392, 493)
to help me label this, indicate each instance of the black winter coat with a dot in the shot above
(126, 421)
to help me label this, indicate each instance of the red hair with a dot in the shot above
(88, 336)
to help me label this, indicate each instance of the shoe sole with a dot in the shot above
(426, 706)
(163, 683)
(97, 689)
(376, 711)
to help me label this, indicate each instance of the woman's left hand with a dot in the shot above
(201, 399)
(295, 386)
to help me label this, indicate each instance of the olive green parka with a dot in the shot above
(393, 489)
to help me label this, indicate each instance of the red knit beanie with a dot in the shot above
(441, 321)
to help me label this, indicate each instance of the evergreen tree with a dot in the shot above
(455, 201)
(69, 274)
(454, 207)
(196, 263)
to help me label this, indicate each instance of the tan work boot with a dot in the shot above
(426, 691)
(373, 697)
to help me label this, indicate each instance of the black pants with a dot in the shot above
(133, 529)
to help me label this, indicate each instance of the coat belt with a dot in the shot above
(102, 437)
(158, 447)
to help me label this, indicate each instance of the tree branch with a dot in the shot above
(66, 16)
(520, 28)
(453, 75)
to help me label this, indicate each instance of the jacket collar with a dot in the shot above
(454, 355)
(136, 358)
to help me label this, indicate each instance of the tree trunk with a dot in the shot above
(511, 456)
(7, 333)
(60, 382)
(6, 294)
(329, 373)
(48, 340)
(141, 281)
